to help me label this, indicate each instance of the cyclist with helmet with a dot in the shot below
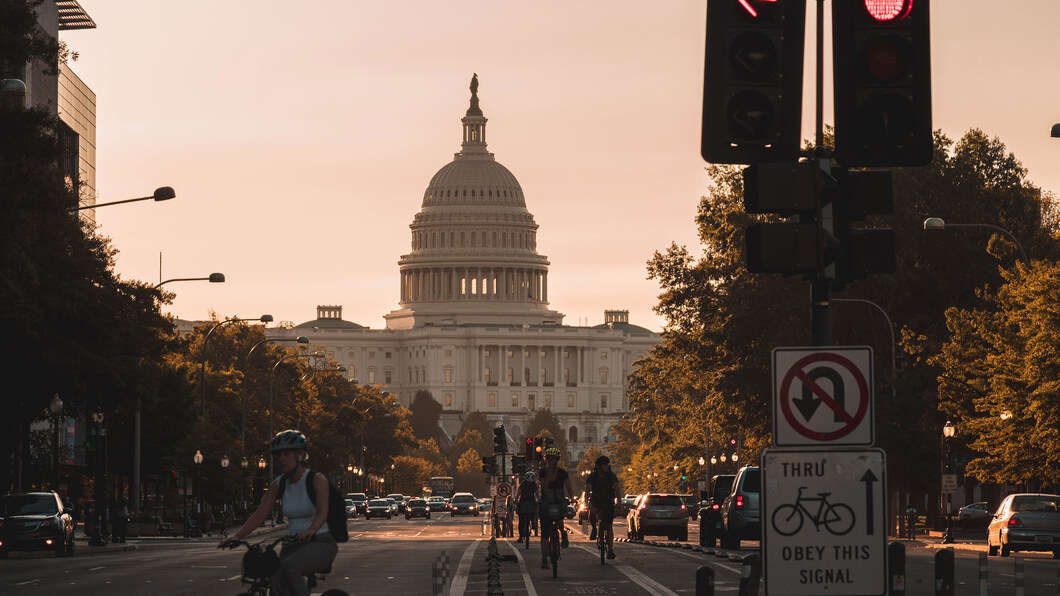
(554, 480)
(601, 488)
(314, 549)
(526, 498)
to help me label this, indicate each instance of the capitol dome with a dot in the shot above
(474, 256)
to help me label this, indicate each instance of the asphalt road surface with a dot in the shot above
(395, 557)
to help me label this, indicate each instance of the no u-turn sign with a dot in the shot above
(822, 396)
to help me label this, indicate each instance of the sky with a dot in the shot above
(300, 136)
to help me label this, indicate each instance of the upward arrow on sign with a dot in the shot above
(868, 479)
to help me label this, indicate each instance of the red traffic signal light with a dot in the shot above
(752, 84)
(882, 82)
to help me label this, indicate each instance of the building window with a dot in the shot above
(566, 375)
(493, 400)
(448, 353)
(526, 376)
(388, 355)
(371, 377)
(371, 354)
(548, 401)
(388, 376)
(566, 354)
(351, 372)
(510, 353)
(487, 353)
(603, 377)
(603, 401)
(541, 378)
(448, 400)
(515, 400)
(526, 353)
(448, 375)
(603, 355)
(570, 400)
(511, 374)
(531, 401)
(542, 353)
(486, 373)
(572, 434)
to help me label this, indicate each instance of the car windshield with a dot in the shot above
(29, 505)
(417, 502)
(379, 503)
(752, 481)
(467, 499)
(358, 498)
(440, 499)
(664, 501)
(1036, 503)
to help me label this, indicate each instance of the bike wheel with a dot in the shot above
(555, 550)
(601, 542)
(787, 520)
(839, 519)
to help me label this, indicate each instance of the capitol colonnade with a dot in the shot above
(474, 283)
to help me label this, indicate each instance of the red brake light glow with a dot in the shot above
(1014, 522)
(739, 500)
(888, 10)
(715, 506)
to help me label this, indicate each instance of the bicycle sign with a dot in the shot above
(823, 515)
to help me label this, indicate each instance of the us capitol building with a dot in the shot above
(474, 325)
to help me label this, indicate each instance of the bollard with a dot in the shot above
(982, 574)
(1018, 562)
(437, 585)
(896, 562)
(705, 581)
(944, 572)
(750, 575)
(446, 572)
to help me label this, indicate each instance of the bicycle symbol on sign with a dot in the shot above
(837, 518)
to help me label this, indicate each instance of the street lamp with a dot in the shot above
(937, 223)
(56, 408)
(272, 382)
(205, 340)
(1055, 131)
(261, 470)
(224, 494)
(243, 463)
(214, 278)
(198, 480)
(948, 430)
(246, 368)
(890, 327)
(162, 193)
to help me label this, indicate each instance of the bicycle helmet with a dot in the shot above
(288, 439)
(530, 476)
(603, 459)
(552, 452)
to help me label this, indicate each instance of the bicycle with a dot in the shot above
(837, 518)
(551, 514)
(604, 530)
(260, 562)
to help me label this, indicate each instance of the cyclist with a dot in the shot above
(527, 506)
(601, 488)
(314, 549)
(554, 481)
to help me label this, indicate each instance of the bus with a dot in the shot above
(442, 486)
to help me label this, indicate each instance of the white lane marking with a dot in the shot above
(233, 578)
(98, 568)
(644, 581)
(707, 559)
(529, 583)
(32, 581)
(460, 577)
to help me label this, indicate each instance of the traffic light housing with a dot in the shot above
(539, 448)
(500, 443)
(529, 451)
(489, 465)
(752, 85)
(882, 82)
(518, 465)
(871, 250)
(805, 245)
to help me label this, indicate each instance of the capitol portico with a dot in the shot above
(474, 327)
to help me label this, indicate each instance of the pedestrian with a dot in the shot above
(120, 522)
(910, 524)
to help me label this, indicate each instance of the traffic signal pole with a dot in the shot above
(820, 288)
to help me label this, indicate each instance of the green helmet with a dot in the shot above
(552, 451)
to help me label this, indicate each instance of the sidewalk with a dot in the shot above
(961, 541)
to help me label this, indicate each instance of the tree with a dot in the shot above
(411, 474)
(544, 420)
(469, 477)
(426, 412)
(481, 440)
(588, 461)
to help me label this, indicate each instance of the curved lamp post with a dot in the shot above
(364, 420)
(338, 369)
(205, 341)
(198, 480)
(890, 327)
(246, 368)
(214, 278)
(937, 223)
(162, 193)
(272, 390)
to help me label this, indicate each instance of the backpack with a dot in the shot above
(602, 486)
(336, 505)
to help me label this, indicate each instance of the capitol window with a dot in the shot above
(371, 377)
(548, 401)
(603, 355)
(486, 373)
(511, 374)
(448, 375)
(603, 401)
(388, 376)
(448, 400)
(570, 400)
(603, 377)
(493, 400)
(515, 400)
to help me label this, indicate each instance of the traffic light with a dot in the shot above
(882, 82)
(865, 251)
(752, 85)
(539, 449)
(489, 465)
(804, 246)
(500, 443)
(518, 465)
(529, 451)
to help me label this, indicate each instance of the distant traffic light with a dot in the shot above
(489, 465)
(500, 443)
(529, 452)
(871, 250)
(882, 82)
(752, 85)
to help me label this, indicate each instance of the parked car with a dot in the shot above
(437, 504)
(691, 506)
(463, 504)
(35, 521)
(484, 504)
(360, 500)
(740, 510)
(658, 514)
(351, 509)
(583, 510)
(399, 500)
(379, 508)
(623, 507)
(1025, 522)
(417, 508)
(974, 513)
(710, 524)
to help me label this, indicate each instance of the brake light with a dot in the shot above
(1015, 522)
(682, 506)
(739, 500)
(48, 542)
(715, 506)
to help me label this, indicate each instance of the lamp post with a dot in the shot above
(364, 420)
(948, 430)
(890, 327)
(243, 463)
(261, 469)
(56, 408)
(198, 480)
(272, 390)
(349, 478)
(937, 223)
(162, 193)
(246, 368)
(99, 460)
(215, 278)
(205, 341)
(224, 494)
(338, 369)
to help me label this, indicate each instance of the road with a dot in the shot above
(391, 557)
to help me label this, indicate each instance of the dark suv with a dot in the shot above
(710, 513)
(740, 510)
(35, 521)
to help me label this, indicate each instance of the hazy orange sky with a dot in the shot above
(300, 136)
